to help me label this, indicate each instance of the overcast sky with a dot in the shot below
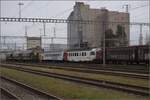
(139, 12)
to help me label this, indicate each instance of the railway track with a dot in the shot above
(100, 71)
(31, 91)
(120, 68)
(6, 95)
(100, 83)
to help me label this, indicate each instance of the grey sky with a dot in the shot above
(139, 12)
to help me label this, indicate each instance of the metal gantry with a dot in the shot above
(46, 20)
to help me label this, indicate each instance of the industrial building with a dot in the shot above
(114, 24)
(53, 47)
(34, 42)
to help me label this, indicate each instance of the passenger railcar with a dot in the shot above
(82, 55)
(52, 56)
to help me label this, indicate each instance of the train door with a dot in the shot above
(65, 56)
(99, 56)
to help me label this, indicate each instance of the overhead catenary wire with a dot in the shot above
(62, 13)
(138, 7)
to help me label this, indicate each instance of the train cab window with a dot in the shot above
(92, 53)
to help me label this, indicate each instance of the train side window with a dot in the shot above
(82, 53)
(77, 54)
(92, 53)
(85, 54)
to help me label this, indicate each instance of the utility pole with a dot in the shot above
(141, 37)
(15, 46)
(54, 32)
(52, 39)
(20, 4)
(44, 24)
(26, 31)
(0, 41)
(104, 25)
(40, 32)
(126, 7)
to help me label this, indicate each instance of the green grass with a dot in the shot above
(68, 90)
(119, 79)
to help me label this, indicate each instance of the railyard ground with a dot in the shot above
(70, 90)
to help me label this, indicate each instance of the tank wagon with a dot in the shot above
(28, 55)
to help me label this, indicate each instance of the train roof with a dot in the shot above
(135, 46)
(94, 49)
(88, 49)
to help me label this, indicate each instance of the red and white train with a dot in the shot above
(130, 55)
(88, 55)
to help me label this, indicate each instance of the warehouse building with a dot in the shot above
(34, 42)
(90, 35)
